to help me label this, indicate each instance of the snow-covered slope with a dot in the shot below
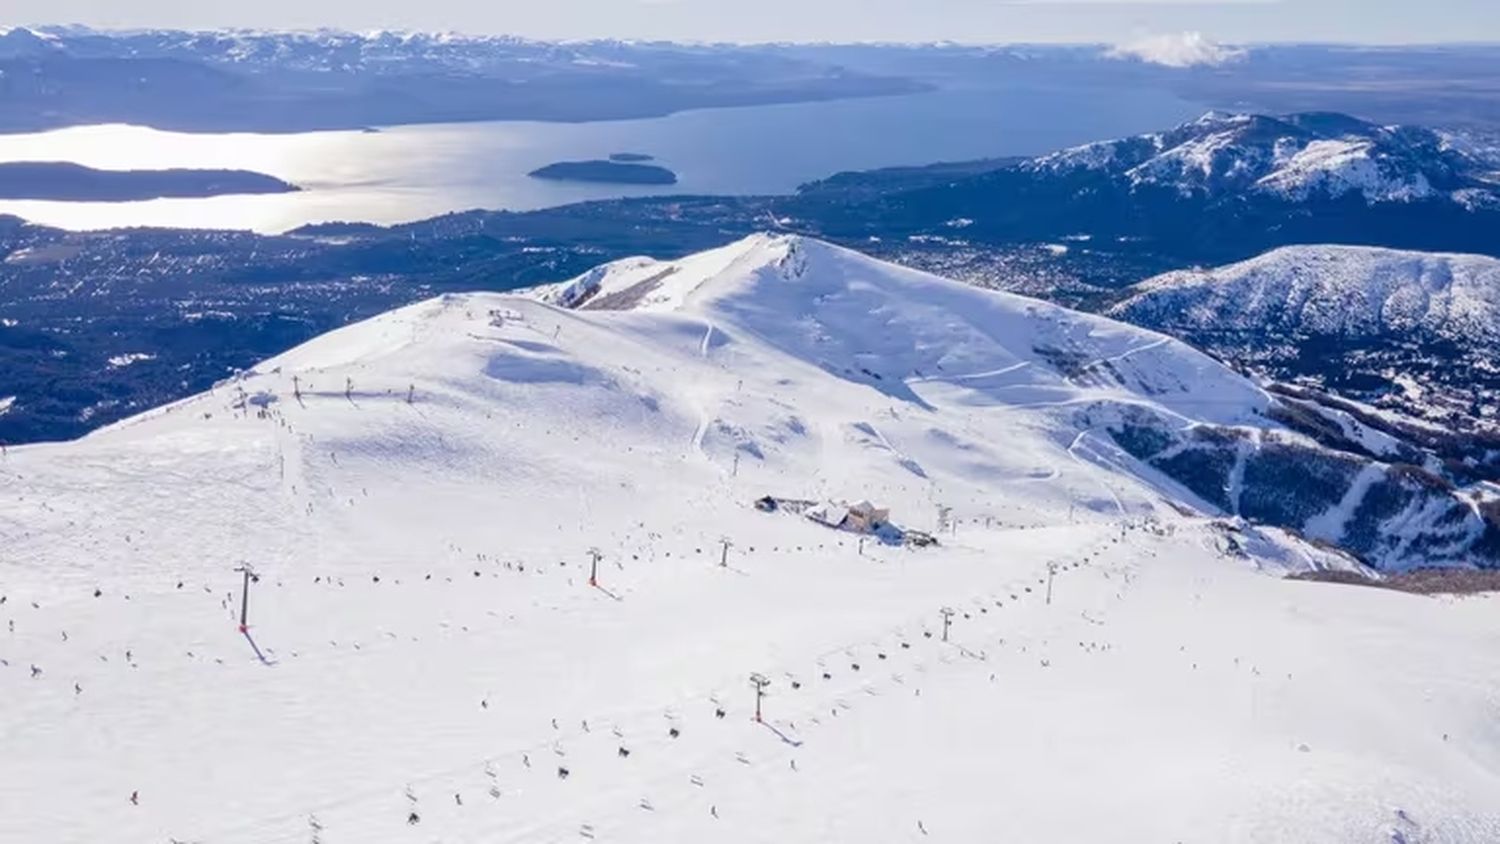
(916, 336)
(1424, 327)
(1334, 291)
(426, 660)
(1293, 158)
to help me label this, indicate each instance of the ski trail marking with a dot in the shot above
(708, 336)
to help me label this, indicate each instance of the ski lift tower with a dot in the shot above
(947, 620)
(594, 555)
(250, 577)
(760, 682)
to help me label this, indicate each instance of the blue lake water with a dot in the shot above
(405, 173)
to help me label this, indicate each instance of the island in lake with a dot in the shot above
(68, 182)
(612, 172)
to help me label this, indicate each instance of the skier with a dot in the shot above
(135, 798)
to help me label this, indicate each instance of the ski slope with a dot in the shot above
(420, 492)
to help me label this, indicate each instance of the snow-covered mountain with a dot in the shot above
(254, 80)
(1416, 332)
(1219, 189)
(18, 42)
(427, 659)
(323, 50)
(1348, 291)
(1293, 157)
(1272, 460)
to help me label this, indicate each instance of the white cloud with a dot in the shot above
(1185, 49)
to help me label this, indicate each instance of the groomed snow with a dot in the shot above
(419, 493)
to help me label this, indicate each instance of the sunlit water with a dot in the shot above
(412, 172)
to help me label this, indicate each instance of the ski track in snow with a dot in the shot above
(1073, 453)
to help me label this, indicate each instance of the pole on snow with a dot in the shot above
(947, 620)
(594, 555)
(1051, 570)
(759, 681)
(249, 574)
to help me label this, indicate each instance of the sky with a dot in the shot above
(995, 21)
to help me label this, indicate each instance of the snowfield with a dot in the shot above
(427, 661)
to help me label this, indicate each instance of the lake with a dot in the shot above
(405, 173)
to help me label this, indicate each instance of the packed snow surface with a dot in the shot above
(427, 661)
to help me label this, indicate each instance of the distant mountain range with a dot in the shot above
(292, 81)
(57, 76)
(1221, 188)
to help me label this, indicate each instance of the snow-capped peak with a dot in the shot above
(1294, 158)
(20, 42)
(885, 324)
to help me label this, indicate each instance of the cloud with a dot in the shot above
(1185, 49)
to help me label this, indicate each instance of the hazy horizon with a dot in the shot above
(1371, 22)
